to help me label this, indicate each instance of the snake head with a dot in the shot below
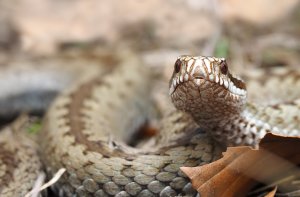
(198, 79)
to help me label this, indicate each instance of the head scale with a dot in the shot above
(210, 69)
(202, 84)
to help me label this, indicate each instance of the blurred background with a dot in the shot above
(66, 35)
(259, 32)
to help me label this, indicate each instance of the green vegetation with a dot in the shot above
(222, 48)
(34, 127)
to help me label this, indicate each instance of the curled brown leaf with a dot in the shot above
(241, 168)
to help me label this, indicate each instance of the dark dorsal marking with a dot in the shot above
(11, 163)
(77, 124)
(238, 83)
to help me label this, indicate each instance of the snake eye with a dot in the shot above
(177, 66)
(223, 67)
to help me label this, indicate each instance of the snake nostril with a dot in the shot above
(177, 66)
(223, 67)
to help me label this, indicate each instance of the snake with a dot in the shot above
(216, 99)
(89, 127)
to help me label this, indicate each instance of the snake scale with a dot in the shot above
(89, 126)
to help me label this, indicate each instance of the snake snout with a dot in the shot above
(198, 77)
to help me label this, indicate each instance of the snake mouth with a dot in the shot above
(176, 82)
(199, 79)
(203, 72)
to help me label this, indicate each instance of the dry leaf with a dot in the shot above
(243, 167)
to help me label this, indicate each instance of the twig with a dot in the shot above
(37, 188)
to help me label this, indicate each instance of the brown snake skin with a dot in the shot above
(19, 163)
(88, 127)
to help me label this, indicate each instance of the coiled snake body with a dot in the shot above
(88, 127)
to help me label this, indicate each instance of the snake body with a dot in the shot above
(19, 163)
(86, 131)
(88, 128)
